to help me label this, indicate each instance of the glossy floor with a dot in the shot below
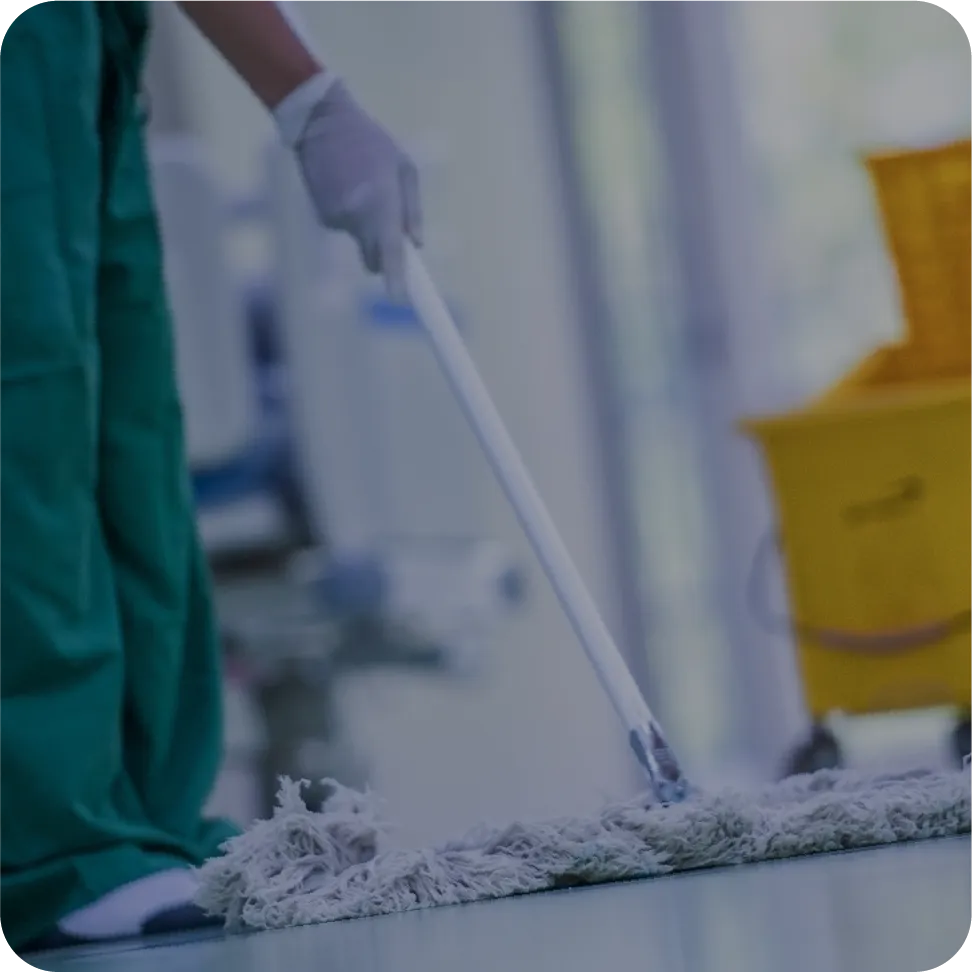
(895, 909)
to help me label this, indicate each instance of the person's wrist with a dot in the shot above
(293, 112)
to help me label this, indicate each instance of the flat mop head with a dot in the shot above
(302, 867)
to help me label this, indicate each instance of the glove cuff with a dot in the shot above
(293, 113)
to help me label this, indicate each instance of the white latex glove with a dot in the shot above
(357, 176)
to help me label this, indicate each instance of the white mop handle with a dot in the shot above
(461, 373)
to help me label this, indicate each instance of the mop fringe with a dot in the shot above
(302, 867)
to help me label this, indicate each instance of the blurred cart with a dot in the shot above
(872, 482)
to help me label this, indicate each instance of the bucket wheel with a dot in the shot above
(960, 739)
(819, 751)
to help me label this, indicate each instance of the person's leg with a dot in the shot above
(172, 713)
(66, 836)
(80, 818)
(172, 737)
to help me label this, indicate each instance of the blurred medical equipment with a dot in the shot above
(392, 476)
(339, 394)
(319, 431)
(235, 449)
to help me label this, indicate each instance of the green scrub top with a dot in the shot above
(110, 685)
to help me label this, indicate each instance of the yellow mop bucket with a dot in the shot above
(872, 480)
(873, 503)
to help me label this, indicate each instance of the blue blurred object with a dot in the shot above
(353, 586)
(512, 586)
(267, 466)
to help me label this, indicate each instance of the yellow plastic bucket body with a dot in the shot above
(873, 501)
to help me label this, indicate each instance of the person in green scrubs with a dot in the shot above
(110, 681)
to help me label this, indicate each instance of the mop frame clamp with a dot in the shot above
(656, 758)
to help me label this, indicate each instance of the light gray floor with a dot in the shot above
(896, 909)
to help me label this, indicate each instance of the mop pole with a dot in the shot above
(644, 732)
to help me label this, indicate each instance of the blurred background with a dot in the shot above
(652, 220)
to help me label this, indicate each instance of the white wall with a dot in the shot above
(534, 736)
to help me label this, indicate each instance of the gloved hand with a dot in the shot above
(358, 178)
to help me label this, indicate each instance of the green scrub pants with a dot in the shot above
(110, 716)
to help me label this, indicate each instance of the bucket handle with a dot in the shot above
(895, 641)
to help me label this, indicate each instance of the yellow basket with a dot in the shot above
(925, 203)
(873, 496)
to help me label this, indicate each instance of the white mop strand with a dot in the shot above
(302, 867)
